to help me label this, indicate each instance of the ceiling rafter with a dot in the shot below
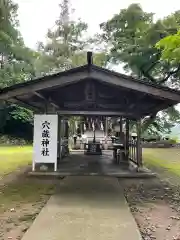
(46, 100)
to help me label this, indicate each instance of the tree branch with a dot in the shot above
(169, 74)
(148, 122)
(153, 64)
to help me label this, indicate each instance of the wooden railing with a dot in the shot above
(133, 151)
(64, 147)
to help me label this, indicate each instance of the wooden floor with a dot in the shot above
(78, 164)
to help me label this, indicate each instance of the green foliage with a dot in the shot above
(173, 140)
(131, 36)
(170, 47)
(16, 121)
(64, 44)
(21, 114)
(16, 63)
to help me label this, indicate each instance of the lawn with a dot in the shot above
(12, 158)
(22, 188)
(21, 198)
(168, 159)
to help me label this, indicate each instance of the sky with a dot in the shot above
(36, 16)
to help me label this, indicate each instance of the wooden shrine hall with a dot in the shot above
(92, 91)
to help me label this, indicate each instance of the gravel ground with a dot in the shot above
(155, 204)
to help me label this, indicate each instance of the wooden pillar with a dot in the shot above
(139, 147)
(121, 129)
(59, 135)
(106, 126)
(127, 139)
(82, 127)
(66, 134)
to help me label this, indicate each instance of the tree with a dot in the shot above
(131, 36)
(170, 48)
(66, 45)
(124, 32)
(16, 64)
(16, 60)
(64, 49)
(170, 53)
(63, 42)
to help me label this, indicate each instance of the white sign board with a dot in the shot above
(45, 139)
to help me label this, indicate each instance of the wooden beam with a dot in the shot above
(100, 75)
(46, 100)
(24, 104)
(134, 85)
(96, 113)
(85, 103)
(158, 108)
(139, 99)
(56, 81)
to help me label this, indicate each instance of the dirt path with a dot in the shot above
(155, 205)
(21, 199)
(13, 176)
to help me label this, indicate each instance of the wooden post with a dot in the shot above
(67, 136)
(59, 135)
(139, 147)
(66, 129)
(106, 126)
(134, 150)
(120, 126)
(106, 133)
(82, 127)
(127, 139)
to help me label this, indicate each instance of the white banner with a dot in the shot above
(45, 139)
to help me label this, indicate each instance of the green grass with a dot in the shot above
(23, 190)
(11, 158)
(167, 159)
